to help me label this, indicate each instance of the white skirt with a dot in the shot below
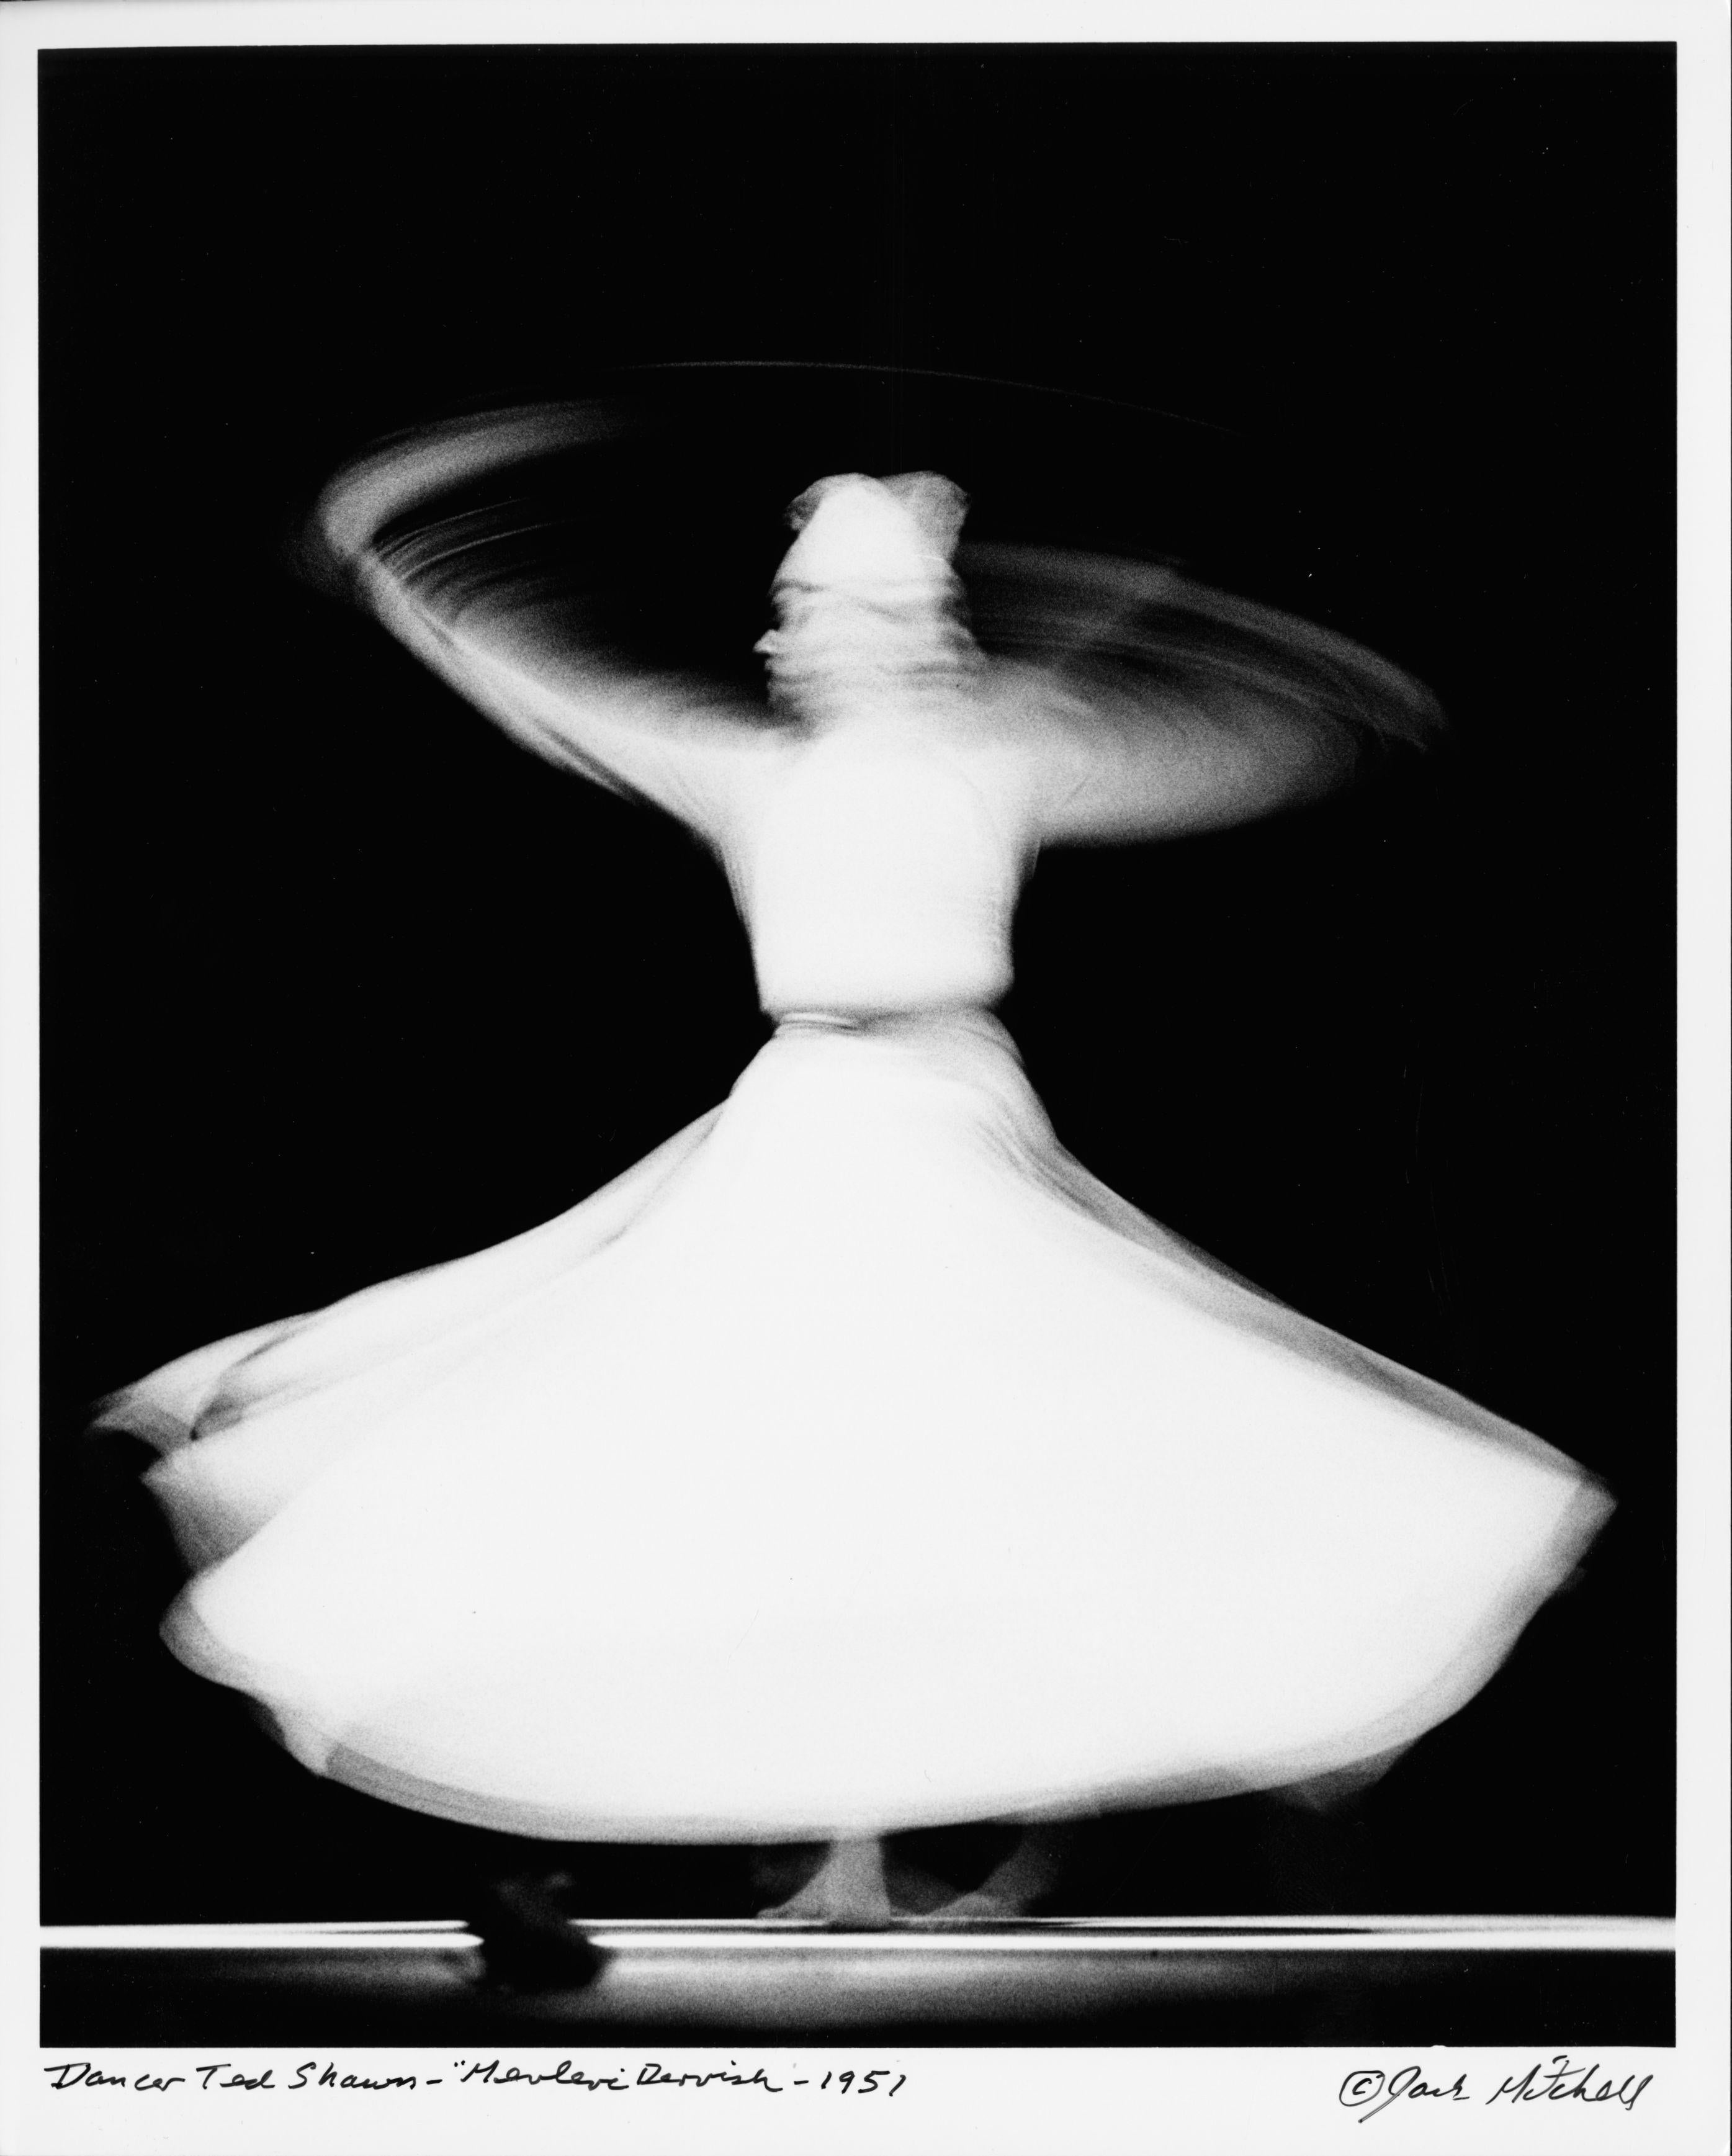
(856, 1462)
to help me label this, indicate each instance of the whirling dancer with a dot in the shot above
(917, 1478)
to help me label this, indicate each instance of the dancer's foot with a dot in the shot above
(1013, 1888)
(858, 1887)
(977, 1906)
(847, 1892)
(528, 1943)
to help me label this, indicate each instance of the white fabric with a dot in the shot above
(865, 1464)
(878, 868)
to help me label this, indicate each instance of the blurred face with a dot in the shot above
(837, 644)
(822, 627)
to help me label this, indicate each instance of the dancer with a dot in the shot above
(918, 1479)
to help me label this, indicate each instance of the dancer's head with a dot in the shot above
(866, 602)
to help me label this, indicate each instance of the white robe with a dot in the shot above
(856, 1462)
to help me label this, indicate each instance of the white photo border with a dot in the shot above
(1004, 2099)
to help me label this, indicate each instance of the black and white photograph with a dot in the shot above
(858, 1054)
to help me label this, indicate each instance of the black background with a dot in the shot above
(340, 984)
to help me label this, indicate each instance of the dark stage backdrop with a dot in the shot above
(340, 983)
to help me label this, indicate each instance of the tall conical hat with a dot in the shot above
(854, 531)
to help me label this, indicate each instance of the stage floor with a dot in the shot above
(1410, 1980)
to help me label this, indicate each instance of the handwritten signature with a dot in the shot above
(1561, 2082)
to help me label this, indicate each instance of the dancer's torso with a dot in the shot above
(878, 868)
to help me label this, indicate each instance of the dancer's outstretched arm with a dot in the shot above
(676, 741)
(1171, 708)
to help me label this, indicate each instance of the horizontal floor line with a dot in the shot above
(1059, 1935)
